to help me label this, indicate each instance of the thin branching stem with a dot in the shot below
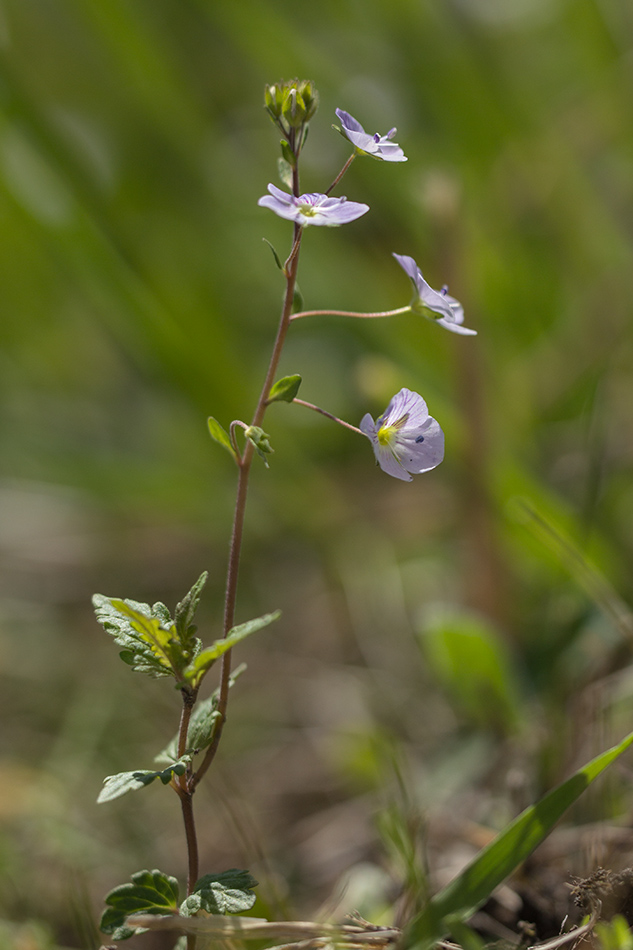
(341, 173)
(324, 412)
(242, 492)
(359, 315)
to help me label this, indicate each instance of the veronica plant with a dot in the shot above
(406, 440)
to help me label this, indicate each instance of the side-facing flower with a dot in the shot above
(406, 439)
(376, 146)
(312, 208)
(436, 305)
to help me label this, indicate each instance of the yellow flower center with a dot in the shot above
(386, 434)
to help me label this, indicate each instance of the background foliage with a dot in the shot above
(468, 633)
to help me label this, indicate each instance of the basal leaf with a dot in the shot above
(116, 785)
(465, 893)
(220, 435)
(227, 893)
(151, 892)
(202, 724)
(205, 660)
(285, 389)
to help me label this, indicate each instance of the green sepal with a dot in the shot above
(116, 785)
(285, 389)
(275, 254)
(220, 435)
(259, 439)
(151, 892)
(207, 657)
(227, 893)
(468, 890)
(201, 726)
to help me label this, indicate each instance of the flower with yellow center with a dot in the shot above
(406, 439)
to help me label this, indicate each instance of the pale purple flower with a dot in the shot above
(377, 146)
(436, 305)
(406, 439)
(312, 208)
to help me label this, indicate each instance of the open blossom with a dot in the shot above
(406, 439)
(437, 305)
(377, 146)
(312, 208)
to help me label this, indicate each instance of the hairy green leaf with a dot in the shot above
(116, 785)
(285, 389)
(152, 642)
(227, 893)
(186, 609)
(151, 892)
(139, 649)
(201, 725)
(205, 660)
(220, 435)
(465, 893)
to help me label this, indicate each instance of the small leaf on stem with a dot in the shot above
(116, 785)
(220, 435)
(205, 660)
(227, 893)
(285, 389)
(151, 892)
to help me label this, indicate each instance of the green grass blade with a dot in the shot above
(501, 857)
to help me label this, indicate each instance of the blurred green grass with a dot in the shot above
(138, 298)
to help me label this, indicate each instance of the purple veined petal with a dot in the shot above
(451, 312)
(405, 439)
(405, 403)
(348, 121)
(376, 146)
(312, 208)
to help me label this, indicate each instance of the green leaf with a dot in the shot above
(137, 629)
(227, 893)
(465, 893)
(116, 785)
(151, 892)
(205, 660)
(186, 609)
(284, 170)
(297, 300)
(285, 389)
(201, 725)
(275, 254)
(220, 435)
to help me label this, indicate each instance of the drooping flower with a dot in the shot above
(406, 439)
(436, 305)
(312, 208)
(376, 146)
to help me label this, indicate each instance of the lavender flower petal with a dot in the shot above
(406, 439)
(376, 146)
(312, 208)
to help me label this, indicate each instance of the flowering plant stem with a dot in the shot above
(324, 412)
(350, 313)
(188, 783)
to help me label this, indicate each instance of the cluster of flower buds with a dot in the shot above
(291, 104)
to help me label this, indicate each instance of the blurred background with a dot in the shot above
(449, 649)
